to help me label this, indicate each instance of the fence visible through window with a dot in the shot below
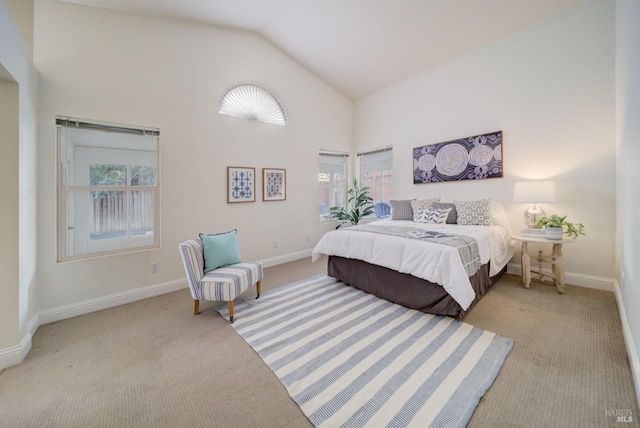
(121, 214)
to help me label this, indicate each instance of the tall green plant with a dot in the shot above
(359, 205)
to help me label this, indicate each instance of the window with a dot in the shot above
(108, 191)
(376, 171)
(254, 102)
(332, 180)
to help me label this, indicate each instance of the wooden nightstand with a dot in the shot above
(555, 259)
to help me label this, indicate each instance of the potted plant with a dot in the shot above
(555, 226)
(359, 204)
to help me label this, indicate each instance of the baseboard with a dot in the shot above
(92, 305)
(105, 302)
(278, 260)
(15, 354)
(632, 354)
(587, 281)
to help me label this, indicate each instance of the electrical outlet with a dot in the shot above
(155, 267)
(275, 244)
(308, 238)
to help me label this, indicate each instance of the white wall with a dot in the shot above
(550, 89)
(18, 109)
(628, 183)
(9, 260)
(124, 68)
(21, 12)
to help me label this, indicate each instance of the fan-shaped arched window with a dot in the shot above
(251, 101)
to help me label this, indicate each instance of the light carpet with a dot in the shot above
(350, 359)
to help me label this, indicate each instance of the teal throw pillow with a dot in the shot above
(220, 250)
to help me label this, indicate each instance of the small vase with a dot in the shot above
(553, 233)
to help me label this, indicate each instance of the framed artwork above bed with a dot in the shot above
(470, 158)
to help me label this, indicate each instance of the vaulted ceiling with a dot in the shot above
(360, 46)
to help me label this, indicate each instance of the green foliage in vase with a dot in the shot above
(359, 205)
(554, 220)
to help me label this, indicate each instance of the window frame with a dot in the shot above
(342, 187)
(72, 227)
(382, 186)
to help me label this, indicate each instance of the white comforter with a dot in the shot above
(437, 263)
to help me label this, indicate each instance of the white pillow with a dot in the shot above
(432, 216)
(499, 216)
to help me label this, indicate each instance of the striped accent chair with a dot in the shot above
(222, 284)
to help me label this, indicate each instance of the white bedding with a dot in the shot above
(437, 263)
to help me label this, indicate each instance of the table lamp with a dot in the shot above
(534, 192)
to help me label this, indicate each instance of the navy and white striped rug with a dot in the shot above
(350, 359)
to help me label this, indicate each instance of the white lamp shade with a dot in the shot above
(534, 191)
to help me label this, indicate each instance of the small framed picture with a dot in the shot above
(274, 184)
(241, 184)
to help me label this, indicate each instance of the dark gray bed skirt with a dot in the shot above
(405, 289)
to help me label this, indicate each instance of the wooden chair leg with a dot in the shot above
(230, 307)
(258, 289)
(196, 307)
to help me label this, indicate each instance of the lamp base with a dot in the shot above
(532, 215)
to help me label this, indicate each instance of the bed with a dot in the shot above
(436, 268)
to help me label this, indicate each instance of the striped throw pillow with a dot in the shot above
(401, 210)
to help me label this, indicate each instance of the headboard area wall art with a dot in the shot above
(470, 158)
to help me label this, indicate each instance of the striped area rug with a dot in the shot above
(350, 359)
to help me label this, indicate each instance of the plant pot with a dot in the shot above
(553, 233)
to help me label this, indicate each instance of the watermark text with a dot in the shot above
(621, 415)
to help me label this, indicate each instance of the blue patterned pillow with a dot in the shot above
(432, 216)
(220, 250)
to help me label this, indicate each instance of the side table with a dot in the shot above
(555, 259)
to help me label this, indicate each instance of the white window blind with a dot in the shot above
(253, 102)
(108, 188)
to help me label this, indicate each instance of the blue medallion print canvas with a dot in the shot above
(470, 158)
(274, 182)
(241, 184)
